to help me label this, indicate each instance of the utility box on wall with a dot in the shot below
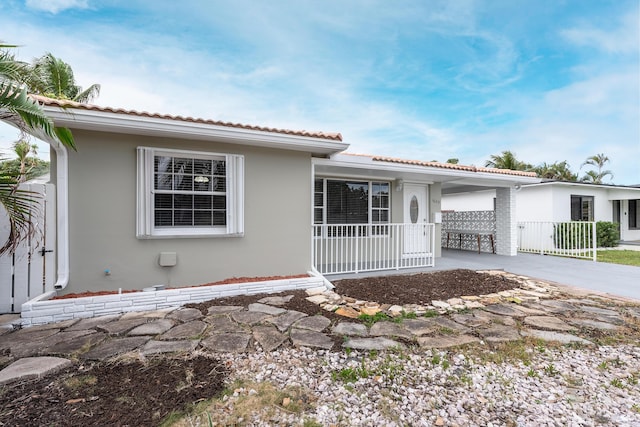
(167, 259)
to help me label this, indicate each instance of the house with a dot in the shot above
(562, 201)
(153, 199)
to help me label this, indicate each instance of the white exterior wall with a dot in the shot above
(463, 202)
(536, 204)
(602, 206)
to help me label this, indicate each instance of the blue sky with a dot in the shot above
(550, 80)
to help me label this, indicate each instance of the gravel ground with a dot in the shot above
(543, 387)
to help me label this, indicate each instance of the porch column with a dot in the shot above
(506, 225)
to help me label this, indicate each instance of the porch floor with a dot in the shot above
(621, 280)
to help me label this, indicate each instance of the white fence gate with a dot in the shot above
(576, 239)
(30, 271)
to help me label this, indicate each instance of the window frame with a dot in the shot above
(145, 209)
(373, 228)
(581, 199)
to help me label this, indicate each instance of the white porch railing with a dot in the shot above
(576, 239)
(354, 248)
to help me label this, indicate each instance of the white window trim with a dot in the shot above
(144, 197)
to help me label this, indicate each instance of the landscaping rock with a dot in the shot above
(249, 317)
(77, 344)
(120, 327)
(348, 312)
(593, 324)
(223, 309)
(420, 326)
(93, 322)
(223, 325)
(280, 300)
(503, 310)
(499, 333)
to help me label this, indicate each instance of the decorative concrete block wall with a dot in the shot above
(470, 221)
(43, 309)
(506, 226)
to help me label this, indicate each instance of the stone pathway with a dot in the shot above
(535, 309)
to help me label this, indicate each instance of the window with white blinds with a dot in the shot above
(351, 202)
(185, 193)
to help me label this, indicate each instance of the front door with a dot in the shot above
(415, 219)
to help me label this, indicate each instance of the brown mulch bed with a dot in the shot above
(113, 394)
(142, 394)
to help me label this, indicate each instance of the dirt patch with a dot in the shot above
(115, 394)
(424, 287)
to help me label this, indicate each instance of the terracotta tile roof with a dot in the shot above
(70, 104)
(447, 165)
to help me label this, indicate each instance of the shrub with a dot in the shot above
(607, 234)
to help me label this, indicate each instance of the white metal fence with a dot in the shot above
(354, 248)
(576, 239)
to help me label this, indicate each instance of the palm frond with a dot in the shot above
(88, 94)
(21, 207)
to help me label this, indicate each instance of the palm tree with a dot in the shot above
(598, 161)
(24, 113)
(506, 160)
(557, 170)
(53, 78)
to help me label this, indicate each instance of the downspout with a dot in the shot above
(62, 215)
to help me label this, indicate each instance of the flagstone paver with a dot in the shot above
(228, 343)
(121, 327)
(503, 310)
(560, 337)
(223, 309)
(389, 329)
(471, 320)
(549, 323)
(285, 320)
(114, 347)
(420, 326)
(448, 341)
(223, 324)
(185, 315)
(156, 347)
(313, 323)
(156, 327)
(378, 343)
(279, 300)
(308, 338)
(350, 329)
(75, 345)
(499, 333)
(268, 337)
(557, 306)
(249, 317)
(598, 310)
(32, 367)
(93, 322)
(264, 308)
(185, 331)
(593, 324)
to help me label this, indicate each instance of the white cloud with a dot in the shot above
(55, 6)
(622, 38)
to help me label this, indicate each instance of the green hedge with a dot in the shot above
(568, 236)
(607, 234)
(571, 235)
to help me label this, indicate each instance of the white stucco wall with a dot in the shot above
(463, 202)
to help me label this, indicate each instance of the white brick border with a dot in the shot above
(43, 309)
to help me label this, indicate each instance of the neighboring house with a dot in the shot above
(157, 199)
(560, 201)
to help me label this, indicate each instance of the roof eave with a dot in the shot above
(102, 121)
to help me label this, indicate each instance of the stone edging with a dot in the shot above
(43, 309)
